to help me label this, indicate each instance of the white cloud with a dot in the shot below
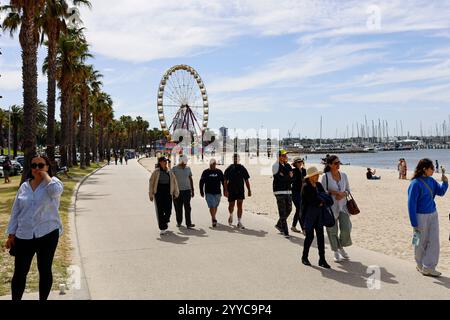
(305, 63)
(148, 30)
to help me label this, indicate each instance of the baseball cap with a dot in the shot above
(282, 152)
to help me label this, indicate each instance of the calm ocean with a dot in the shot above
(389, 159)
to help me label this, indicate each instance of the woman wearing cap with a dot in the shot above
(210, 183)
(299, 175)
(312, 204)
(163, 188)
(35, 227)
(336, 184)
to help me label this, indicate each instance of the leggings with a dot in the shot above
(44, 248)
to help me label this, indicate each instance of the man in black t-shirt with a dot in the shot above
(210, 183)
(235, 177)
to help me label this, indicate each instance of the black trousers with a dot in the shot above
(310, 238)
(284, 203)
(44, 248)
(183, 200)
(297, 200)
(163, 202)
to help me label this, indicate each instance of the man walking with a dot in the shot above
(183, 175)
(235, 177)
(210, 183)
(282, 189)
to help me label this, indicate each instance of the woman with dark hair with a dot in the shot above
(297, 184)
(312, 204)
(424, 217)
(163, 189)
(336, 184)
(35, 227)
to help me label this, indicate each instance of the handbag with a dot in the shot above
(328, 217)
(352, 207)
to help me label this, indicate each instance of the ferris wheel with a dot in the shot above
(183, 102)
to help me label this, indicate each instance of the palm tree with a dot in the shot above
(23, 13)
(53, 25)
(72, 51)
(3, 120)
(16, 125)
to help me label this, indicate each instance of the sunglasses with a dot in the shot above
(38, 165)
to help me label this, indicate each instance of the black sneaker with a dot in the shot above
(324, 264)
(178, 225)
(287, 236)
(214, 223)
(306, 262)
(279, 228)
(191, 226)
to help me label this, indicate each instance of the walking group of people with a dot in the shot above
(176, 186)
(311, 197)
(35, 224)
(7, 168)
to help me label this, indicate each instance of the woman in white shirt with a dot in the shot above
(35, 227)
(336, 184)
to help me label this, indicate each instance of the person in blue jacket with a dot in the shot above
(424, 217)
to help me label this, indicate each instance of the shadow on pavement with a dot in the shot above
(442, 281)
(355, 274)
(172, 237)
(201, 233)
(91, 196)
(233, 229)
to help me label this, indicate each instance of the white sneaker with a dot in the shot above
(337, 257)
(431, 272)
(344, 254)
(163, 232)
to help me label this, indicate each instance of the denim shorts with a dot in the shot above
(213, 200)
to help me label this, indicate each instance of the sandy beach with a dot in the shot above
(383, 224)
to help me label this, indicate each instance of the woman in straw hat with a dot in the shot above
(312, 204)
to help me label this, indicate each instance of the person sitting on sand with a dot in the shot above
(370, 174)
(424, 217)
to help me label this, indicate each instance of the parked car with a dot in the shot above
(21, 160)
(17, 168)
(1, 172)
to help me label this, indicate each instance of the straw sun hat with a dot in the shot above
(311, 172)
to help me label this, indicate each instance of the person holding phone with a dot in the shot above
(424, 217)
(35, 227)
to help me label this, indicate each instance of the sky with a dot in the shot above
(272, 64)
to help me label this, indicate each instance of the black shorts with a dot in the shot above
(234, 197)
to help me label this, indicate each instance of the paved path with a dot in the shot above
(124, 257)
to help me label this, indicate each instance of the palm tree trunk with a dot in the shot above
(64, 150)
(15, 139)
(88, 139)
(101, 150)
(93, 141)
(70, 135)
(83, 132)
(29, 39)
(73, 138)
(51, 95)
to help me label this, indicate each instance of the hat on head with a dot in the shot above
(297, 159)
(282, 152)
(162, 159)
(212, 161)
(311, 172)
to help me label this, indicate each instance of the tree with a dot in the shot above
(16, 125)
(53, 25)
(72, 51)
(22, 14)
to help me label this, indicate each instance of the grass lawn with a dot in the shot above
(63, 252)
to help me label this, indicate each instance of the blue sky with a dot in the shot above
(276, 64)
